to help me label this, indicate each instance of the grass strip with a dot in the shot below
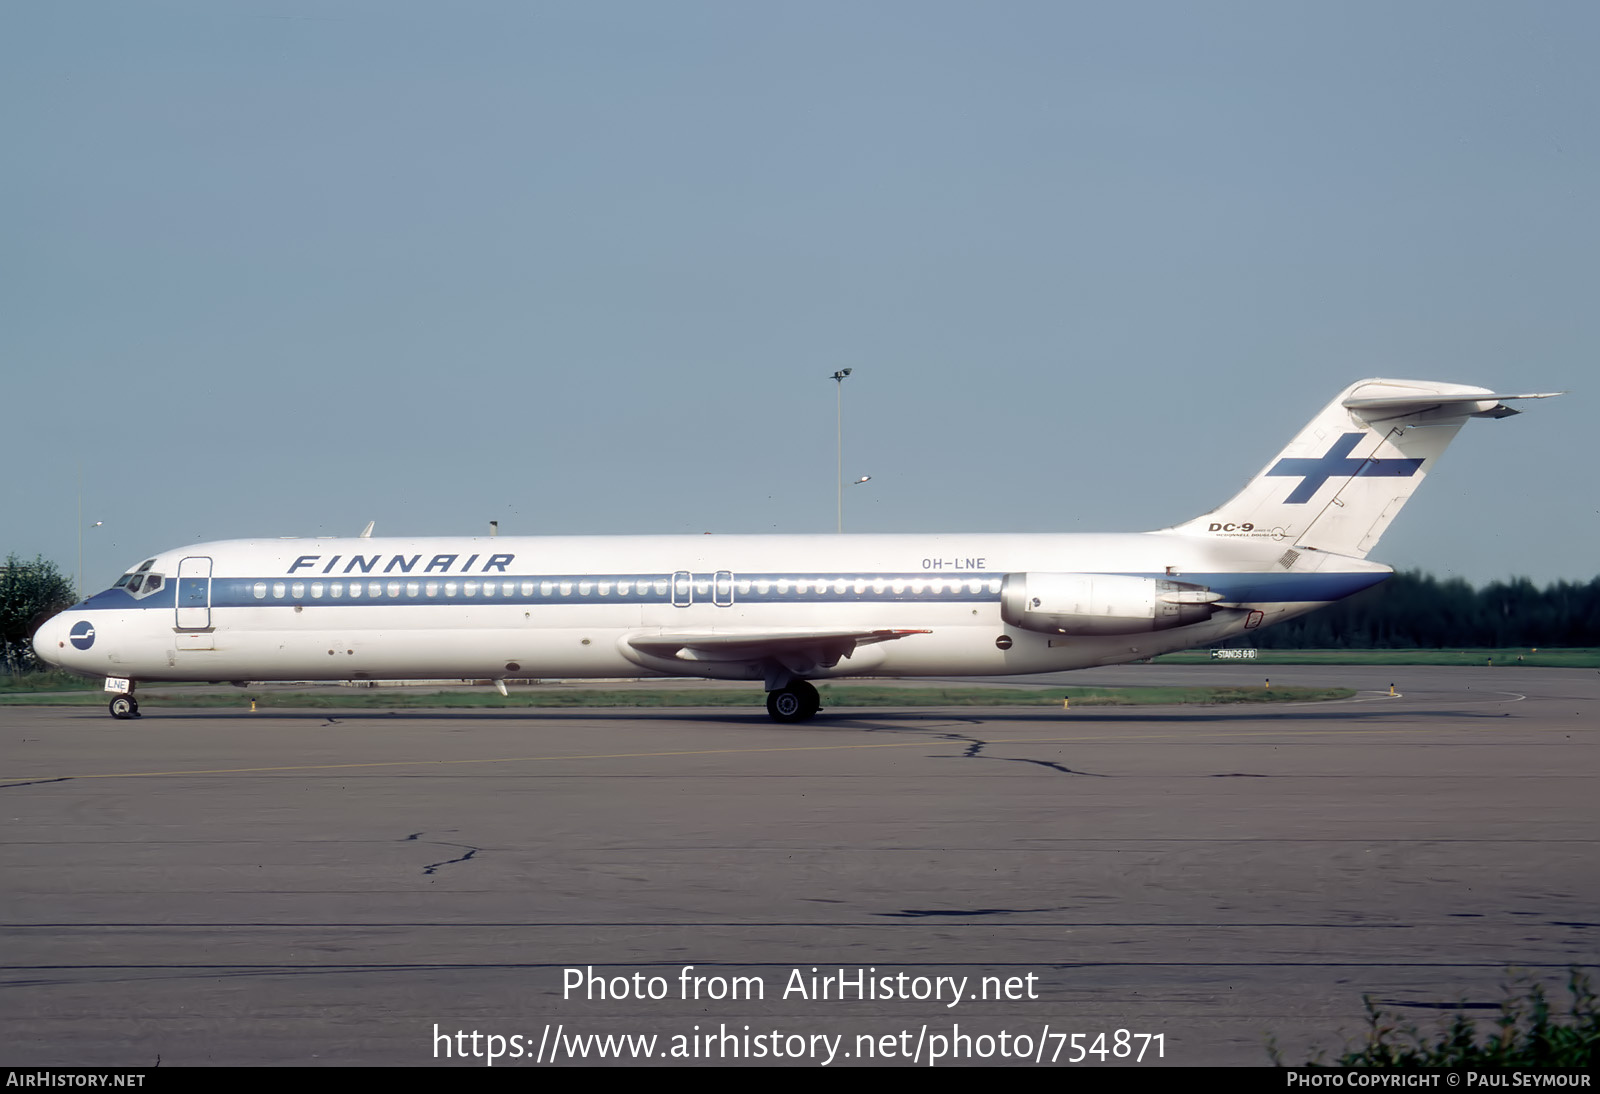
(1542, 658)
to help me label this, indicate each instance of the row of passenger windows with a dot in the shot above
(783, 586)
(334, 590)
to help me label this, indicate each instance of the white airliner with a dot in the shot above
(784, 610)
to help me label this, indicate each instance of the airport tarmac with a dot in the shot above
(205, 887)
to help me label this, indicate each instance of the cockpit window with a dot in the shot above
(140, 582)
(143, 585)
(129, 579)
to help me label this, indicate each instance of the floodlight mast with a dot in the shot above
(838, 476)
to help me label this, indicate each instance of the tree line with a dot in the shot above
(30, 593)
(1419, 611)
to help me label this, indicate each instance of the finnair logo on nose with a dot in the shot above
(1335, 464)
(83, 634)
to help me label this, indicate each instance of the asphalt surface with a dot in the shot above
(303, 888)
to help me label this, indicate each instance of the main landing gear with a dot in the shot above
(796, 702)
(124, 706)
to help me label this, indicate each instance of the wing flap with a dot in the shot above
(737, 645)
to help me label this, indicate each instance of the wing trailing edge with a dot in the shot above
(759, 645)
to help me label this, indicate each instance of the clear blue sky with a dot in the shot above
(275, 268)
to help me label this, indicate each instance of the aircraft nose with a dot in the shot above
(50, 641)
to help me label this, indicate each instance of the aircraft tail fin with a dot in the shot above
(1341, 481)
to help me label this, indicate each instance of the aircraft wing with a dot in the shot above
(823, 646)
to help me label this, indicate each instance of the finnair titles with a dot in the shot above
(439, 564)
(782, 610)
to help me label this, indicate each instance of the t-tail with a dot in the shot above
(1340, 482)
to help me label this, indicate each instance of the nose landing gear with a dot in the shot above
(123, 704)
(796, 702)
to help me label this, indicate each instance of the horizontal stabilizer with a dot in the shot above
(1485, 405)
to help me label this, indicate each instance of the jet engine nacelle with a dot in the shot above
(1099, 604)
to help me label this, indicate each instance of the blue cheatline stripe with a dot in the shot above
(120, 599)
(838, 588)
(1285, 588)
(777, 588)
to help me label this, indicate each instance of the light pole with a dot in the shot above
(861, 480)
(97, 524)
(838, 477)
